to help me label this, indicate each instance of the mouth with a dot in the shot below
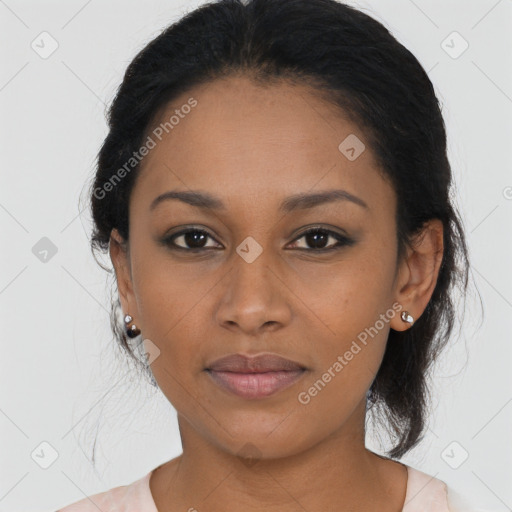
(254, 377)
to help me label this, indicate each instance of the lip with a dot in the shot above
(241, 363)
(254, 377)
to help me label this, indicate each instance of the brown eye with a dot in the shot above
(318, 239)
(190, 239)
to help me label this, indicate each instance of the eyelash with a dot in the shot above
(341, 240)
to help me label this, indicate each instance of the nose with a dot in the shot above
(255, 297)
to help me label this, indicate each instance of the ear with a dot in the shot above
(418, 273)
(119, 254)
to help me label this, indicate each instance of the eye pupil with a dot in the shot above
(193, 237)
(319, 239)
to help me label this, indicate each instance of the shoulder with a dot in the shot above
(424, 491)
(124, 498)
(459, 503)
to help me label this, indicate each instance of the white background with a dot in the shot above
(59, 365)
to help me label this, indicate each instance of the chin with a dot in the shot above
(265, 440)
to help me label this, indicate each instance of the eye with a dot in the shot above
(193, 239)
(318, 238)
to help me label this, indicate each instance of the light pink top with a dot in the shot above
(424, 494)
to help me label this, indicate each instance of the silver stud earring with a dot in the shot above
(131, 330)
(406, 317)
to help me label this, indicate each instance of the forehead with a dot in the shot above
(244, 140)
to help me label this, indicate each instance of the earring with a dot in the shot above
(406, 317)
(132, 330)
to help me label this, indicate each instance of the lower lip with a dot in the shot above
(255, 385)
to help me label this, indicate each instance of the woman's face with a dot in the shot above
(255, 283)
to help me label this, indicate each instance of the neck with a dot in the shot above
(337, 473)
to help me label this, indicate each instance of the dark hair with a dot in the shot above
(353, 62)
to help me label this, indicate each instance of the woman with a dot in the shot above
(274, 193)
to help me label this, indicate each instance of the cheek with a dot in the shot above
(345, 298)
(165, 290)
(351, 302)
(169, 306)
(347, 361)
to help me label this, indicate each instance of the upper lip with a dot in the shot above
(241, 363)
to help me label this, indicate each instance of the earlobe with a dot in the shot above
(420, 270)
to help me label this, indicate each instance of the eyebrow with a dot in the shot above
(204, 200)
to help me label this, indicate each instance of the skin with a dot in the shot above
(252, 147)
